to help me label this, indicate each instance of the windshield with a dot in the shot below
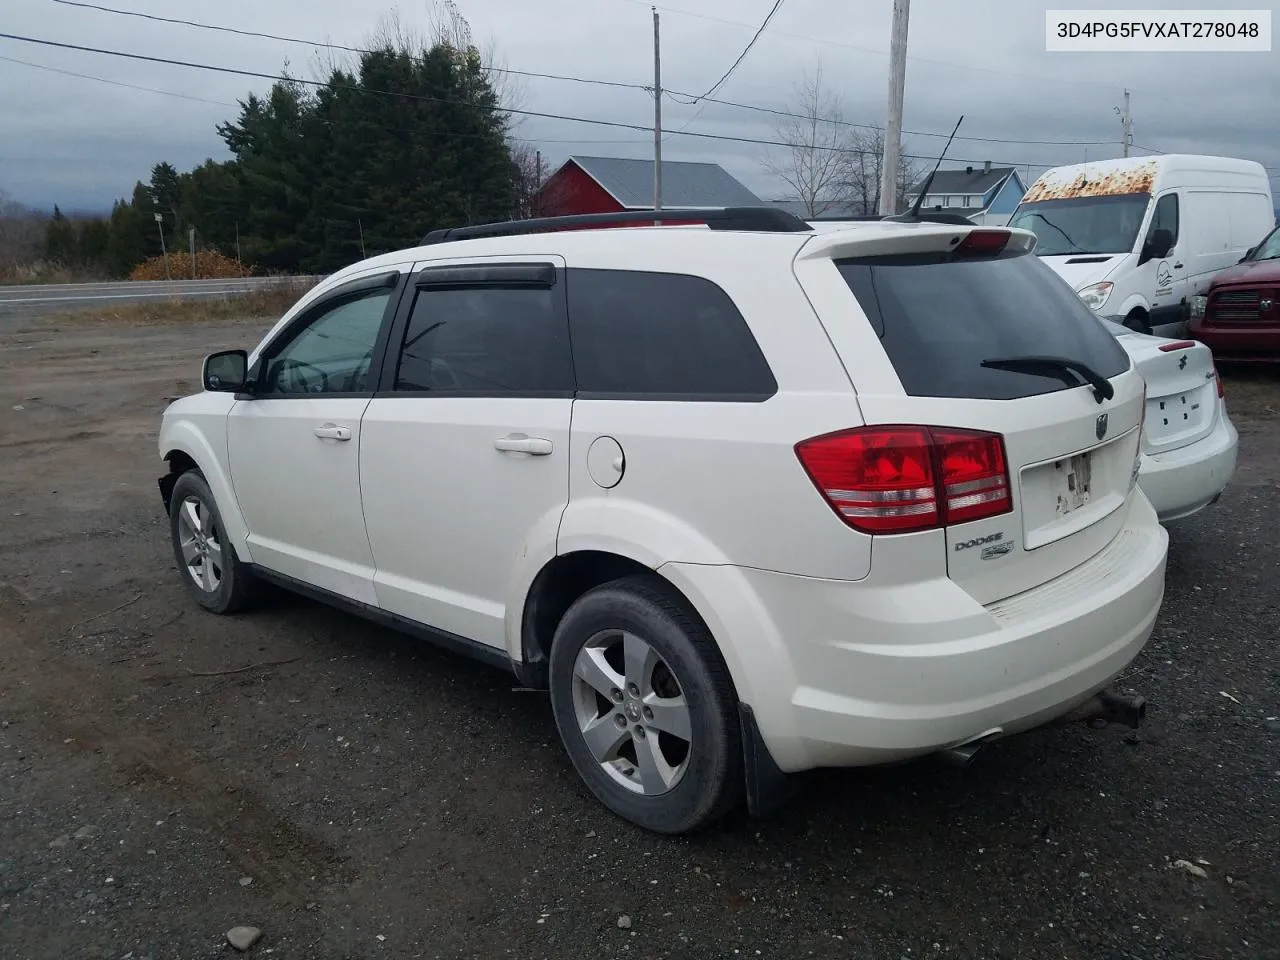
(1083, 224)
(1268, 249)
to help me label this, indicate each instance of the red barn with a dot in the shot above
(610, 185)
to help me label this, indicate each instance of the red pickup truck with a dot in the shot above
(1238, 318)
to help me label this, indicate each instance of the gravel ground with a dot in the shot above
(166, 775)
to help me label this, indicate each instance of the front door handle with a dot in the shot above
(331, 431)
(519, 443)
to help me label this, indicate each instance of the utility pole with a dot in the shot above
(1128, 125)
(537, 183)
(165, 253)
(893, 123)
(191, 243)
(657, 115)
(239, 262)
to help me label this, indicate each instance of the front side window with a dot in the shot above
(332, 352)
(1083, 225)
(1166, 216)
(486, 340)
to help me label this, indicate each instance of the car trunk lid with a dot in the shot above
(1070, 445)
(1182, 390)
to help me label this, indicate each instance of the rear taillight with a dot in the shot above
(1177, 345)
(903, 478)
(1217, 377)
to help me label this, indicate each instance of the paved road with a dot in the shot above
(32, 300)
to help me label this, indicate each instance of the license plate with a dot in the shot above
(1071, 479)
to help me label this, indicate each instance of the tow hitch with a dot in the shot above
(1110, 707)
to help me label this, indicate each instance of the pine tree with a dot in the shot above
(60, 240)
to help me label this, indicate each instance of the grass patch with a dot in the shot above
(270, 300)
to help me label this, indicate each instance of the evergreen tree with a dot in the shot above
(60, 244)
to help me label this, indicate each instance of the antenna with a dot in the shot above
(914, 212)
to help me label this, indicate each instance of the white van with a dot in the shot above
(1138, 238)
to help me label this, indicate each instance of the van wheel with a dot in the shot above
(645, 706)
(1137, 321)
(207, 562)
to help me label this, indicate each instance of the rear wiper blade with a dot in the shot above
(1050, 366)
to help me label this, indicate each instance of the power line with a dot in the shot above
(742, 56)
(674, 95)
(225, 103)
(321, 43)
(117, 83)
(616, 124)
(745, 50)
(876, 126)
(878, 52)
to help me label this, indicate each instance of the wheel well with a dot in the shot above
(555, 588)
(179, 462)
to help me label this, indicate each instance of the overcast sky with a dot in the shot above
(81, 143)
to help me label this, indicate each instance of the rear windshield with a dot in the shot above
(939, 318)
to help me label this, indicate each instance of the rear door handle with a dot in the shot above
(1177, 266)
(519, 443)
(331, 431)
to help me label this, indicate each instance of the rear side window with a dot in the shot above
(652, 336)
(938, 319)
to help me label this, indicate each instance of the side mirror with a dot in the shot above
(225, 371)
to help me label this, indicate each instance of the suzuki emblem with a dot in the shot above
(1264, 305)
(1100, 426)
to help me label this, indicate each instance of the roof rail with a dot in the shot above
(761, 219)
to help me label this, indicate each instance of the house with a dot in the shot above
(610, 185)
(984, 194)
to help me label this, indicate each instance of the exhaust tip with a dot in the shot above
(959, 756)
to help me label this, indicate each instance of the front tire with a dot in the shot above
(207, 562)
(645, 706)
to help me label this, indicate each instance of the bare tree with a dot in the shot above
(862, 173)
(528, 178)
(22, 233)
(818, 144)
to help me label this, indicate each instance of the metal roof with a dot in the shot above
(684, 184)
(970, 180)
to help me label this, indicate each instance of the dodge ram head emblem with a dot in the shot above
(1100, 426)
(1264, 305)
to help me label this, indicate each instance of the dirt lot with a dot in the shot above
(166, 775)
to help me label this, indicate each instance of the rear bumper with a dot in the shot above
(848, 673)
(1185, 481)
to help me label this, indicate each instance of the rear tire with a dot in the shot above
(645, 706)
(206, 559)
(1137, 322)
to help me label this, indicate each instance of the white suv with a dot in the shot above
(747, 497)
